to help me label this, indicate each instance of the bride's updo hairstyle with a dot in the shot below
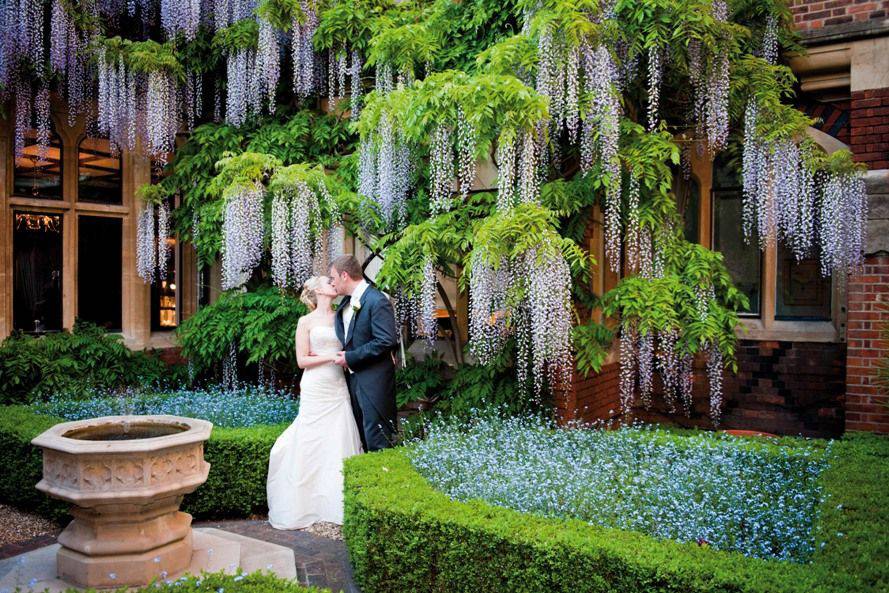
(308, 295)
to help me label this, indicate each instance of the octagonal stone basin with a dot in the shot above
(125, 477)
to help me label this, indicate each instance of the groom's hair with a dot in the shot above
(348, 264)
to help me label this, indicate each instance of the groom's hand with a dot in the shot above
(341, 359)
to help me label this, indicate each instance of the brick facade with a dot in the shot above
(596, 397)
(791, 388)
(809, 15)
(869, 123)
(867, 406)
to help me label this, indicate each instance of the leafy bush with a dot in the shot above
(75, 363)
(405, 536)
(238, 460)
(478, 387)
(261, 323)
(420, 380)
(231, 408)
(218, 582)
(750, 497)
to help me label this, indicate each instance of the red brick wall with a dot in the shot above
(866, 404)
(869, 122)
(781, 387)
(596, 397)
(809, 15)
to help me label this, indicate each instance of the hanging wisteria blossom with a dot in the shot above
(42, 121)
(302, 244)
(600, 134)
(162, 113)
(467, 137)
(303, 52)
(441, 169)
(645, 361)
(541, 323)
(355, 77)
(426, 324)
(842, 221)
(506, 171)
(146, 244)
(488, 288)
(783, 199)
(655, 72)
(714, 374)
(163, 233)
(242, 234)
(237, 88)
(770, 40)
(668, 365)
(22, 115)
(627, 383)
(268, 63)
(385, 169)
(548, 285)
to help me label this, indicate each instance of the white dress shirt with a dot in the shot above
(354, 300)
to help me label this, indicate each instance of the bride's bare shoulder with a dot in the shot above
(305, 322)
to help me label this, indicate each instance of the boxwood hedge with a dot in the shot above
(218, 582)
(404, 536)
(235, 488)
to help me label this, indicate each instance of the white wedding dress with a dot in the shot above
(305, 482)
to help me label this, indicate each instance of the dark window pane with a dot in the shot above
(163, 294)
(38, 173)
(98, 172)
(688, 200)
(99, 279)
(802, 292)
(37, 269)
(744, 261)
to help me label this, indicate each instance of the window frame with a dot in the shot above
(63, 197)
(77, 198)
(766, 326)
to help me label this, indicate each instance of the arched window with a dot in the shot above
(38, 171)
(98, 172)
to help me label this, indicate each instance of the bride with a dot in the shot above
(305, 481)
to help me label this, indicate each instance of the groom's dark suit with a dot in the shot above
(369, 348)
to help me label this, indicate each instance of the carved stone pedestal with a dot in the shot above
(125, 477)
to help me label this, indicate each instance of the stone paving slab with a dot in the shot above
(214, 550)
(319, 561)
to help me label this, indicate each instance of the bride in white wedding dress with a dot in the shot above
(305, 481)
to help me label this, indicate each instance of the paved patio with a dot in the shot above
(320, 561)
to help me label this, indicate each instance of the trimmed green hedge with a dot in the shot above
(218, 582)
(238, 460)
(404, 536)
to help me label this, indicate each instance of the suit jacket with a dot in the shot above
(369, 347)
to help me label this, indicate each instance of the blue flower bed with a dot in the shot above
(241, 407)
(748, 496)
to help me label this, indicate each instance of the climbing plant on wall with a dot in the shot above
(578, 104)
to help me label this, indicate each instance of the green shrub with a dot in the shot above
(74, 363)
(217, 582)
(238, 460)
(404, 536)
(420, 380)
(261, 324)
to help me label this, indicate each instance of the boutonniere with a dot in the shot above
(356, 307)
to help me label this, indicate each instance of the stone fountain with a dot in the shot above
(125, 477)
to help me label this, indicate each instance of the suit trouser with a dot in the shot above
(377, 430)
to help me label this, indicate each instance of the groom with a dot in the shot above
(365, 325)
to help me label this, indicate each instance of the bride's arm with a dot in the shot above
(304, 359)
